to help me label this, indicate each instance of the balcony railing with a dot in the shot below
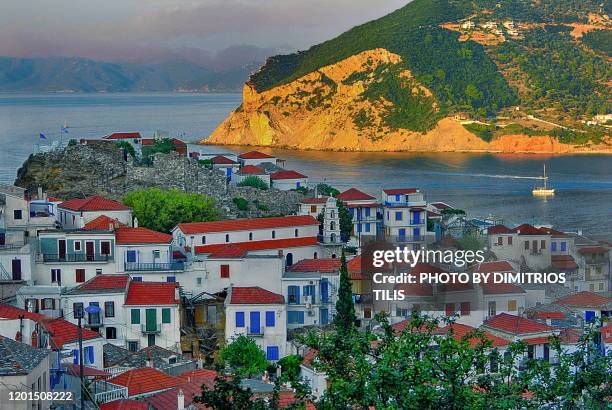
(150, 330)
(94, 321)
(255, 332)
(105, 392)
(154, 266)
(73, 257)
(408, 238)
(404, 203)
(12, 246)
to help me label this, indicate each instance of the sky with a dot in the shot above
(211, 32)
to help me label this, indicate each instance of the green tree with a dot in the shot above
(345, 308)
(327, 190)
(241, 203)
(162, 210)
(290, 368)
(162, 146)
(127, 147)
(346, 220)
(255, 182)
(229, 394)
(244, 357)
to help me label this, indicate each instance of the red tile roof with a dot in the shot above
(497, 288)
(495, 266)
(258, 245)
(168, 399)
(228, 250)
(254, 155)
(325, 265)
(122, 135)
(151, 293)
(354, 268)
(441, 205)
(526, 229)
(516, 325)
(285, 174)
(586, 299)
(105, 282)
(401, 191)
(221, 160)
(549, 315)
(255, 295)
(353, 194)
(175, 141)
(460, 331)
(247, 224)
(127, 235)
(124, 404)
(499, 229)
(74, 370)
(200, 376)
(102, 223)
(309, 357)
(592, 250)
(537, 340)
(554, 233)
(12, 312)
(564, 262)
(93, 203)
(62, 332)
(569, 336)
(313, 201)
(145, 380)
(251, 170)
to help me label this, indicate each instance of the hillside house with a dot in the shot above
(404, 217)
(287, 180)
(255, 158)
(365, 211)
(75, 213)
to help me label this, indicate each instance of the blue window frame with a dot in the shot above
(367, 212)
(324, 313)
(402, 234)
(563, 246)
(298, 184)
(553, 246)
(171, 279)
(136, 278)
(589, 316)
(293, 295)
(131, 256)
(270, 319)
(324, 290)
(416, 217)
(272, 352)
(239, 319)
(397, 198)
(310, 290)
(417, 234)
(367, 227)
(359, 228)
(255, 324)
(295, 317)
(398, 215)
(88, 355)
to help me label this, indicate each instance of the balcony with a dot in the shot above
(404, 204)
(154, 266)
(94, 321)
(150, 329)
(105, 392)
(408, 239)
(255, 332)
(72, 257)
(11, 247)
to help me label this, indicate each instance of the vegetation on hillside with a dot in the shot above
(244, 357)
(599, 40)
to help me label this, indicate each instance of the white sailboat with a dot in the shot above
(543, 190)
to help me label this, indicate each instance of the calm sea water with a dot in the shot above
(483, 184)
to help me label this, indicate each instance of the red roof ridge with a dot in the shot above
(354, 194)
(151, 293)
(326, 265)
(254, 295)
(583, 298)
(247, 224)
(527, 229)
(401, 191)
(129, 235)
(93, 203)
(102, 223)
(122, 135)
(221, 248)
(11, 312)
(251, 170)
(145, 380)
(516, 324)
(287, 174)
(254, 155)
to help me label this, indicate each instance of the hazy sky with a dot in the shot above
(214, 31)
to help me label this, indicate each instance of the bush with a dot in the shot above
(290, 368)
(327, 190)
(254, 182)
(127, 147)
(241, 203)
(244, 357)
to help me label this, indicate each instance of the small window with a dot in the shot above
(136, 278)
(48, 303)
(500, 240)
(553, 246)
(225, 271)
(313, 209)
(270, 319)
(199, 281)
(203, 240)
(563, 246)
(227, 237)
(250, 236)
(135, 316)
(542, 244)
(239, 319)
(80, 275)
(77, 246)
(17, 214)
(156, 254)
(166, 315)
(132, 346)
(273, 234)
(56, 275)
(509, 240)
(450, 309)
(98, 272)
(511, 305)
(398, 215)
(111, 333)
(171, 279)
(109, 309)
(77, 310)
(296, 233)
(465, 308)
(526, 245)
(105, 248)
(272, 352)
(601, 286)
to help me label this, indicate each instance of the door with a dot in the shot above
(416, 217)
(417, 234)
(90, 251)
(2, 238)
(61, 249)
(151, 340)
(228, 172)
(255, 325)
(151, 320)
(16, 269)
(324, 316)
(402, 234)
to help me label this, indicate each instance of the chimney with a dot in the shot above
(81, 222)
(40, 193)
(180, 400)
(549, 321)
(111, 226)
(135, 223)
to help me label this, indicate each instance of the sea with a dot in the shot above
(485, 185)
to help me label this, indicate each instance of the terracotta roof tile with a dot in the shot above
(537, 340)
(145, 380)
(108, 282)
(287, 174)
(499, 229)
(102, 223)
(221, 160)
(219, 249)
(151, 293)
(247, 224)
(93, 203)
(124, 404)
(255, 155)
(526, 229)
(355, 269)
(353, 194)
(549, 315)
(325, 265)
(251, 170)
(460, 330)
(126, 235)
(168, 399)
(554, 233)
(592, 249)
(205, 376)
(63, 332)
(441, 205)
(586, 299)
(564, 262)
(12, 312)
(516, 325)
(401, 191)
(255, 295)
(314, 201)
(228, 250)
(122, 135)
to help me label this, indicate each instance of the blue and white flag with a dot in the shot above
(42, 136)
(65, 130)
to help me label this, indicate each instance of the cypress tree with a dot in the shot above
(345, 309)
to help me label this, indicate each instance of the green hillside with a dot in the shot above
(466, 76)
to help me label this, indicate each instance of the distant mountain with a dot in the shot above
(443, 75)
(64, 74)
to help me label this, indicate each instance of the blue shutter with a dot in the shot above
(131, 256)
(301, 317)
(553, 246)
(75, 353)
(270, 319)
(563, 246)
(272, 352)
(239, 319)
(324, 290)
(589, 316)
(89, 352)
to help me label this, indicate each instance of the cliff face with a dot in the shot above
(328, 110)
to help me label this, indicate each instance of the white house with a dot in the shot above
(255, 158)
(75, 213)
(20, 325)
(152, 312)
(259, 314)
(365, 209)
(251, 171)
(226, 165)
(62, 337)
(24, 369)
(288, 180)
(294, 236)
(404, 216)
(316, 379)
(524, 245)
(106, 292)
(312, 206)
(594, 262)
(587, 305)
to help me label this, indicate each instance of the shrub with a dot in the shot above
(254, 182)
(241, 203)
